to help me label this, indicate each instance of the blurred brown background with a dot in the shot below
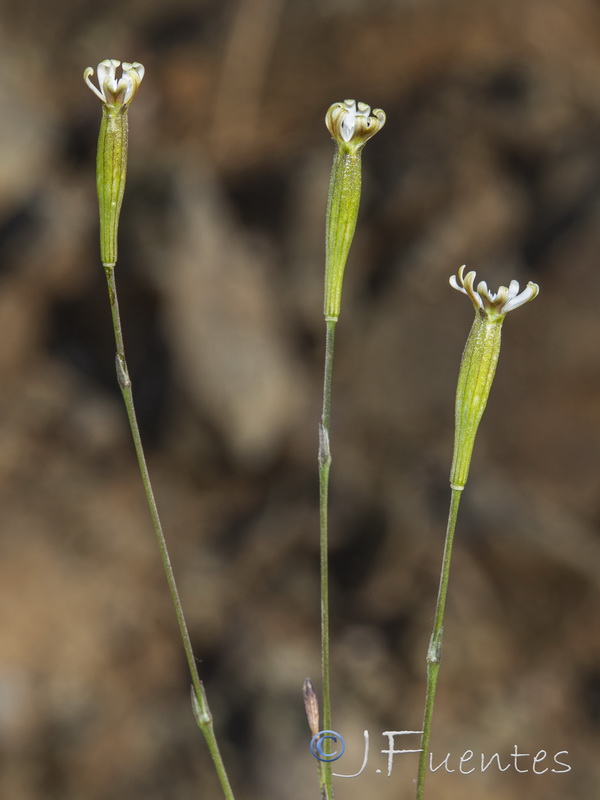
(491, 156)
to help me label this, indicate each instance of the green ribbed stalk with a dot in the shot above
(351, 126)
(342, 211)
(476, 374)
(477, 370)
(111, 170)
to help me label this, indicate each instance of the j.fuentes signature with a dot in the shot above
(330, 746)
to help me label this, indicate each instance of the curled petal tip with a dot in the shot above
(529, 293)
(87, 74)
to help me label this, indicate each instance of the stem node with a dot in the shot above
(324, 448)
(122, 373)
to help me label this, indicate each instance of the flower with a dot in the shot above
(495, 304)
(479, 361)
(111, 162)
(351, 124)
(113, 91)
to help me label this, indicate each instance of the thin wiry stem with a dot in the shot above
(199, 702)
(434, 653)
(324, 466)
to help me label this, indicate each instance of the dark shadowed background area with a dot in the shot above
(490, 157)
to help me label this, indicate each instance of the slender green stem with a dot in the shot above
(324, 466)
(200, 705)
(434, 653)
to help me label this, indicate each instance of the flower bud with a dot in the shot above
(311, 706)
(351, 124)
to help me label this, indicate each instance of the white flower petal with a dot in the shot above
(87, 73)
(455, 285)
(526, 295)
(106, 73)
(513, 289)
(349, 122)
(483, 290)
(127, 87)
